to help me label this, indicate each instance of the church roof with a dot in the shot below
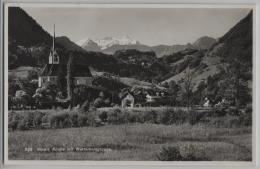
(55, 69)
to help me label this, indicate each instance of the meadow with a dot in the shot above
(140, 137)
(133, 142)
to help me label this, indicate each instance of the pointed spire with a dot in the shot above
(53, 43)
(53, 57)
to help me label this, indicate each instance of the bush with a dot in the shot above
(61, 120)
(173, 154)
(245, 117)
(179, 117)
(26, 122)
(99, 102)
(13, 120)
(232, 111)
(169, 154)
(103, 116)
(134, 117)
(93, 119)
(170, 116)
(220, 112)
(82, 120)
(194, 117)
(38, 119)
(107, 102)
(85, 107)
(116, 117)
(165, 117)
(23, 124)
(150, 116)
(74, 119)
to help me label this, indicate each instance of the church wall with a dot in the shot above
(44, 79)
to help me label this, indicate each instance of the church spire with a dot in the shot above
(53, 57)
(53, 41)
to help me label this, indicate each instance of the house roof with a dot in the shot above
(128, 95)
(55, 69)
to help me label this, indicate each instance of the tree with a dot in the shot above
(165, 84)
(173, 89)
(27, 86)
(61, 80)
(235, 82)
(22, 98)
(99, 102)
(187, 86)
(200, 93)
(70, 83)
(48, 93)
(22, 85)
(80, 94)
(13, 86)
(51, 90)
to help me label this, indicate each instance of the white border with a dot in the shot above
(64, 162)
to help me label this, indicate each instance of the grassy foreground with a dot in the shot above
(132, 142)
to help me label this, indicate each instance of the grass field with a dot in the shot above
(133, 142)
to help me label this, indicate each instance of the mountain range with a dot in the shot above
(109, 45)
(106, 42)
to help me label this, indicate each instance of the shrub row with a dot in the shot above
(80, 118)
(59, 119)
(217, 118)
(167, 116)
(65, 119)
(25, 121)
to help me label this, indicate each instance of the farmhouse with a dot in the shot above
(139, 96)
(128, 100)
(50, 72)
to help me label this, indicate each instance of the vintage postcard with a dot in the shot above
(132, 83)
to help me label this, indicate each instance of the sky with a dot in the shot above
(150, 26)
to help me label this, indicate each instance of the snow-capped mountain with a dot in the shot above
(104, 43)
(109, 45)
(89, 45)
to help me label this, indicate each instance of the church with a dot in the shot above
(81, 73)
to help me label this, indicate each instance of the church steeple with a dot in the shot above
(53, 57)
(53, 40)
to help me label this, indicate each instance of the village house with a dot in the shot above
(140, 96)
(81, 73)
(128, 100)
(157, 98)
(154, 98)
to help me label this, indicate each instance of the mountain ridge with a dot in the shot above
(109, 45)
(232, 50)
(104, 43)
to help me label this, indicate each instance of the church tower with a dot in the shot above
(54, 57)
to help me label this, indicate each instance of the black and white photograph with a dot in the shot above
(129, 83)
